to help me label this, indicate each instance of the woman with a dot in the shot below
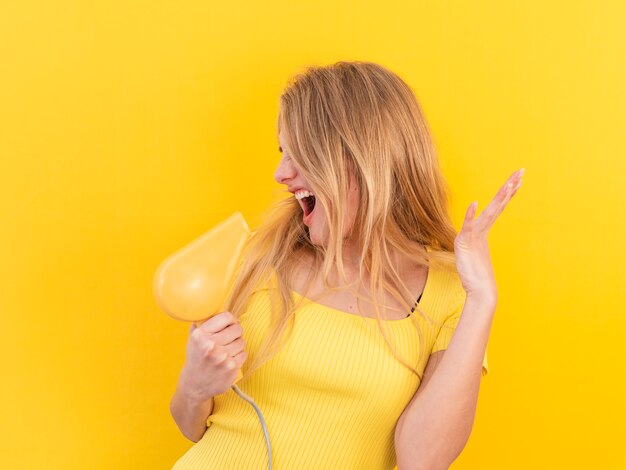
(344, 375)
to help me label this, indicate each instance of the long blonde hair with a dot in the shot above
(350, 118)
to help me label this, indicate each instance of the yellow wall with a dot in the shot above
(129, 128)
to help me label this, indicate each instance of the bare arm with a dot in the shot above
(190, 413)
(435, 426)
(215, 353)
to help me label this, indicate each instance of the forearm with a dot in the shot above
(190, 414)
(435, 426)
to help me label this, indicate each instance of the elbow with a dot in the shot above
(415, 462)
(421, 466)
(184, 427)
(412, 461)
(191, 434)
(192, 438)
(413, 453)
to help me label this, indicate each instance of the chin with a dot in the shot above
(313, 237)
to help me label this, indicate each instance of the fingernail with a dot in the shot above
(521, 172)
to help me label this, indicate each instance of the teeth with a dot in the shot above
(302, 194)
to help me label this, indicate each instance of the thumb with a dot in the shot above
(471, 212)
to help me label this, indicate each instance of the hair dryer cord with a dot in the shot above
(258, 412)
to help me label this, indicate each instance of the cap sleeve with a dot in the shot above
(447, 331)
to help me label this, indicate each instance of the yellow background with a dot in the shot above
(127, 129)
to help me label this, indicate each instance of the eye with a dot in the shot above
(286, 157)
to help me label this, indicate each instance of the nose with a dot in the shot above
(286, 171)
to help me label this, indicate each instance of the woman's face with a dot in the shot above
(317, 221)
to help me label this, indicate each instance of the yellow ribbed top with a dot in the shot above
(332, 395)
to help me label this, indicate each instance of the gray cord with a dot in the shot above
(256, 408)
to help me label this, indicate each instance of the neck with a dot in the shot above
(351, 257)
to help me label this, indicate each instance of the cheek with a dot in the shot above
(349, 217)
(353, 201)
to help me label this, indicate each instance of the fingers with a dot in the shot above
(230, 357)
(218, 322)
(229, 334)
(221, 344)
(464, 235)
(200, 342)
(235, 362)
(511, 186)
(240, 358)
(213, 358)
(223, 337)
(235, 347)
(499, 202)
(471, 212)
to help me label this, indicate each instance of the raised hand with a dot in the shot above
(471, 248)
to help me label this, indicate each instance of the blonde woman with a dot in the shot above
(359, 317)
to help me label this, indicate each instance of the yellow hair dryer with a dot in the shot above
(192, 284)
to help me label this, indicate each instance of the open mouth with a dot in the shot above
(308, 204)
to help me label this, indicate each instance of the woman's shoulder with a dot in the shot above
(444, 278)
(447, 282)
